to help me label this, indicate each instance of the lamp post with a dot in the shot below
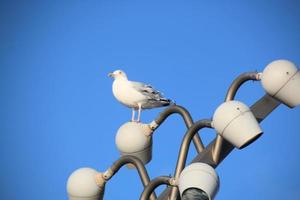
(236, 125)
(231, 92)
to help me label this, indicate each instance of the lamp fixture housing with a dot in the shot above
(81, 185)
(134, 139)
(281, 80)
(199, 176)
(235, 122)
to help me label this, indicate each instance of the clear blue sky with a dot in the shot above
(57, 108)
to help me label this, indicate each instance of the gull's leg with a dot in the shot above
(133, 114)
(139, 112)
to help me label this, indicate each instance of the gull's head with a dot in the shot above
(118, 74)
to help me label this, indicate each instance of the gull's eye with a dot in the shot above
(120, 72)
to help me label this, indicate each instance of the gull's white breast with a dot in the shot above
(126, 94)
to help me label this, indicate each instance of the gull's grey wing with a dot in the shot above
(153, 96)
(147, 90)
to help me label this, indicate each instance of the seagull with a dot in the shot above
(136, 95)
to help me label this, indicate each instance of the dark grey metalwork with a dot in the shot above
(139, 166)
(187, 119)
(261, 109)
(161, 180)
(264, 106)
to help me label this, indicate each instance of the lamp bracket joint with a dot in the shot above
(258, 76)
(153, 125)
(173, 181)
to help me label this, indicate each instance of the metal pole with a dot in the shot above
(139, 166)
(261, 109)
(166, 180)
(187, 119)
(184, 148)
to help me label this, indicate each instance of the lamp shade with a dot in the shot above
(281, 79)
(235, 122)
(82, 185)
(132, 139)
(200, 176)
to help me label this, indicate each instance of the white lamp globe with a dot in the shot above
(281, 79)
(133, 139)
(235, 122)
(201, 178)
(82, 185)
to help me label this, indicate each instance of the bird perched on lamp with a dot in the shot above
(136, 95)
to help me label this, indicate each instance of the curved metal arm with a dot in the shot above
(235, 85)
(139, 166)
(240, 80)
(187, 119)
(184, 149)
(166, 180)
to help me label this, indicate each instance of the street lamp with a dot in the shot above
(198, 181)
(231, 92)
(82, 185)
(235, 122)
(281, 80)
(135, 139)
